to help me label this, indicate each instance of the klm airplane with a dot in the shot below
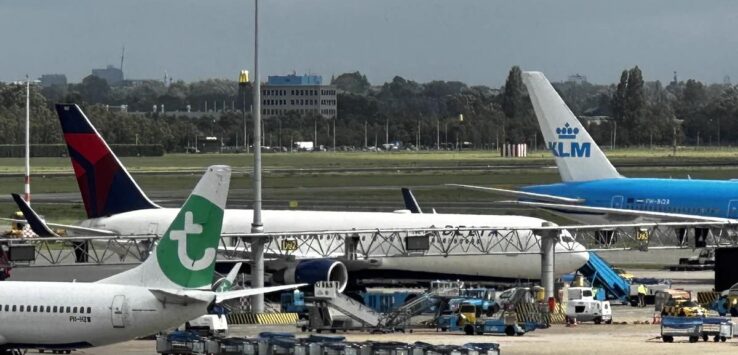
(593, 192)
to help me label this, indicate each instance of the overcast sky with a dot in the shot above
(475, 41)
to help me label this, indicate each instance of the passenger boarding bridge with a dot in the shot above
(366, 244)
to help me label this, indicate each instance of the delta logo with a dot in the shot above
(567, 145)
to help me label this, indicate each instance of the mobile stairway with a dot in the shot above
(600, 273)
(327, 291)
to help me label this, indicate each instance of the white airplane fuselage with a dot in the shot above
(494, 266)
(65, 315)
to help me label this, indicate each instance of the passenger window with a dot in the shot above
(21, 308)
(89, 310)
(74, 310)
(35, 309)
(69, 309)
(13, 308)
(54, 309)
(48, 309)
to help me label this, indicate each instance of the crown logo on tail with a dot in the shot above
(567, 132)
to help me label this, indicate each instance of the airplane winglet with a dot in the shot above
(37, 225)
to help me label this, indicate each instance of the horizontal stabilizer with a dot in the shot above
(521, 194)
(229, 295)
(37, 225)
(182, 296)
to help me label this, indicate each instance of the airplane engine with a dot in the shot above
(314, 270)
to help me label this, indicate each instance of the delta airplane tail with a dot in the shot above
(577, 156)
(184, 258)
(106, 187)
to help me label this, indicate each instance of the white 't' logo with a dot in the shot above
(180, 236)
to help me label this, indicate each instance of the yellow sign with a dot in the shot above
(293, 204)
(243, 78)
(289, 245)
(642, 235)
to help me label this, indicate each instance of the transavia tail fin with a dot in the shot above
(37, 224)
(184, 258)
(577, 156)
(104, 183)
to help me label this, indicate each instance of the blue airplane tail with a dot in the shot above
(106, 186)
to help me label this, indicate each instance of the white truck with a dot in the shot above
(582, 306)
(208, 325)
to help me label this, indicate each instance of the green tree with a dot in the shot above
(355, 83)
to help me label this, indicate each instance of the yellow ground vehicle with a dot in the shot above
(683, 308)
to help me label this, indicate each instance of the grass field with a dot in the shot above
(171, 162)
(352, 181)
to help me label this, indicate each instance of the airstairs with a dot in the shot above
(601, 274)
(328, 291)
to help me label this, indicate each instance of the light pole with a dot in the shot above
(257, 245)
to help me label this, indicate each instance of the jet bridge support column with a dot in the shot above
(549, 238)
(257, 274)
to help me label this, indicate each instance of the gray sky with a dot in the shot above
(475, 41)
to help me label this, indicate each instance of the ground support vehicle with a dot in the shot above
(506, 324)
(583, 307)
(727, 303)
(690, 327)
(720, 328)
(704, 261)
(208, 324)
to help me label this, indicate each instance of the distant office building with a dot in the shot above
(304, 94)
(111, 74)
(49, 80)
(577, 78)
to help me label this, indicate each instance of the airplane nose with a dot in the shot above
(570, 257)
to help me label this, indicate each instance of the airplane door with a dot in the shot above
(617, 202)
(733, 209)
(119, 311)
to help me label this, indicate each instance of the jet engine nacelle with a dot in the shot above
(314, 270)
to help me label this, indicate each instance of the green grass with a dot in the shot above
(172, 176)
(173, 162)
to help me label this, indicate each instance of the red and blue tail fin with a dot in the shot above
(104, 182)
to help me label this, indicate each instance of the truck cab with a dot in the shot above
(583, 306)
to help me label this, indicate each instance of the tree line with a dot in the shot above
(630, 112)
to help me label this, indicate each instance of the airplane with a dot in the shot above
(593, 192)
(171, 287)
(116, 205)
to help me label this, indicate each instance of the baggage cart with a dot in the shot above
(690, 327)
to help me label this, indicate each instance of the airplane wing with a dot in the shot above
(521, 194)
(229, 295)
(37, 224)
(662, 216)
(86, 230)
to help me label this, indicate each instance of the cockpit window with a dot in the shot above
(567, 239)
